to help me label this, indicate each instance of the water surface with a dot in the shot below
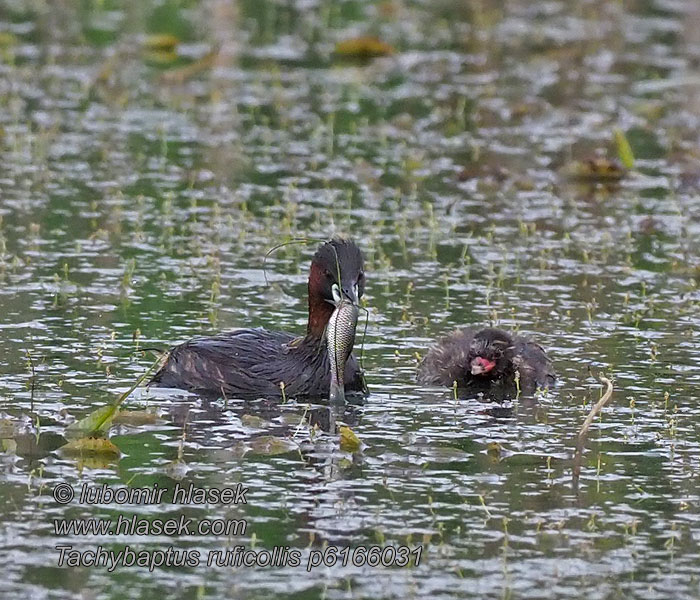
(137, 201)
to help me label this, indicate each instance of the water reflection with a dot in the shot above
(136, 208)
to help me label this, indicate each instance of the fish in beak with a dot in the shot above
(340, 339)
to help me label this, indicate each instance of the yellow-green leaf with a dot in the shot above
(164, 42)
(624, 150)
(349, 442)
(91, 447)
(97, 421)
(7, 39)
(494, 450)
(161, 58)
(9, 445)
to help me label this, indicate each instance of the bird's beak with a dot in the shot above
(481, 365)
(350, 293)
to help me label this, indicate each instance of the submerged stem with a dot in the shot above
(583, 433)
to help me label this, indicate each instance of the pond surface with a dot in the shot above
(142, 181)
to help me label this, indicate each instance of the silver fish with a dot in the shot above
(340, 338)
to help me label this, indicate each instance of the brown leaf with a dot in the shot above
(363, 47)
(595, 169)
(135, 417)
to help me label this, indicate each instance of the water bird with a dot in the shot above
(487, 359)
(254, 363)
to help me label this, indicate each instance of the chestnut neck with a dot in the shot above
(319, 310)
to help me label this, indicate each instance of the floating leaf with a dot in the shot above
(97, 421)
(253, 421)
(349, 442)
(135, 417)
(595, 169)
(7, 428)
(162, 42)
(624, 150)
(494, 450)
(345, 463)
(100, 420)
(7, 39)
(269, 445)
(90, 446)
(364, 47)
(97, 461)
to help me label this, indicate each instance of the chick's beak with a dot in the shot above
(481, 365)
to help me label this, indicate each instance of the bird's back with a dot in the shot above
(448, 360)
(535, 367)
(250, 363)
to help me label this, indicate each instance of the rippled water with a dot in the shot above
(138, 201)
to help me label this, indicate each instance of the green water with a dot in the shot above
(139, 195)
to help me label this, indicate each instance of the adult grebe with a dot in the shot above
(247, 363)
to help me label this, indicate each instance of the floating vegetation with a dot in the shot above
(161, 42)
(624, 150)
(100, 420)
(253, 421)
(583, 433)
(595, 170)
(135, 418)
(349, 442)
(363, 48)
(144, 180)
(270, 445)
(88, 447)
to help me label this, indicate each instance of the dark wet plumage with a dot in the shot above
(455, 356)
(252, 362)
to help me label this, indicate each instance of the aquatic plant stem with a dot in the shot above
(583, 432)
